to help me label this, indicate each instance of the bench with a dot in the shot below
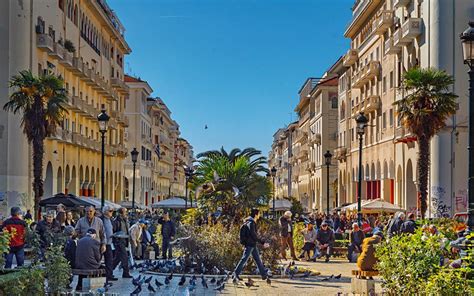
(92, 278)
(363, 283)
(339, 252)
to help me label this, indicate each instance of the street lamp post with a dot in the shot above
(103, 119)
(134, 155)
(467, 38)
(361, 123)
(273, 172)
(188, 174)
(327, 157)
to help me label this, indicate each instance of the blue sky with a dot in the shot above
(233, 65)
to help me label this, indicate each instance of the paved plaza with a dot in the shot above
(314, 285)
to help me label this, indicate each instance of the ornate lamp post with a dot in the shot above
(327, 157)
(188, 174)
(467, 39)
(361, 123)
(273, 173)
(103, 119)
(134, 155)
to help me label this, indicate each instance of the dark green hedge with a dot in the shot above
(24, 281)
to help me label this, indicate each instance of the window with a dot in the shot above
(391, 79)
(384, 120)
(334, 102)
(391, 117)
(384, 84)
(143, 153)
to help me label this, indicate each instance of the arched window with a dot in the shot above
(334, 102)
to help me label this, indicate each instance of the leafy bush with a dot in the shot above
(218, 245)
(448, 282)
(22, 281)
(5, 237)
(69, 46)
(406, 262)
(57, 270)
(298, 239)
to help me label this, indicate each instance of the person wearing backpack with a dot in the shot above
(249, 239)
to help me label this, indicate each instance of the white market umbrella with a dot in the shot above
(97, 202)
(173, 203)
(280, 204)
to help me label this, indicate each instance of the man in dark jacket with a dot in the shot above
(17, 242)
(168, 231)
(325, 238)
(286, 235)
(250, 247)
(394, 226)
(148, 241)
(120, 241)
(70, 248)
(47, 229)
(356, 237)
(88, 250)
(409, 226)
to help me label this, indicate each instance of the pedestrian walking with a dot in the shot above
(91, 221)
(107, 213)
(136, 238)
(121, 241)
(17, 226)
(168, 231)
(249, 240)
(286, 235)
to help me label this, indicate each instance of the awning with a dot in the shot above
(128, 204)
(373, 206)
(173, 203)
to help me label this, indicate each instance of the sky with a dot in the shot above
(233, 65)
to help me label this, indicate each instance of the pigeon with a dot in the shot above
(137, 290)
(212, 281)
(148, 280)
(170, 277)
(325, 279)
(269, 281)
(332, 275)
(204, 282)
(338, 276)
(167, 281)
(236, 191)
(150, 288)
(158, 284)
(182, 280)
(136, 281)
(219, 282)
(249, 283)
(191, 288)
(193, 278)
(220, 288)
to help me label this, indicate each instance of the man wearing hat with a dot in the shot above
(121, 240)
(367, 259)
(168, 231)
(286, 235)
(325, 238)
(88, 254)
(107, 212)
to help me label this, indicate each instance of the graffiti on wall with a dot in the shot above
(460, 201)
(439, 205)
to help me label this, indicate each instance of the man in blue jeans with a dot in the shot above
(249, 239)
(17, 242)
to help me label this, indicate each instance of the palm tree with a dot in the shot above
(40, 100)
(234, 154)
(424, 111)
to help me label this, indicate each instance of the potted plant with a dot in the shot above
(69, 46)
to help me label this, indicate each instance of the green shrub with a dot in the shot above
(57, 270)
(69, 46)
(298, 239)
(5, 237)
(22, 281)
(406, 262)
(448, 282)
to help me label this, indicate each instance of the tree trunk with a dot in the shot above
(38, 154)
(423, 164)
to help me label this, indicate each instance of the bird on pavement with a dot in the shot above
(137, 290)
(158, 284)
(136, 281)
(220, 288)
(204, 282)
(148, 280)
(150, 288)
(332, 275)
(167, 281)
(182, 280)
(325, 279)
(338, 276)
(212, 281)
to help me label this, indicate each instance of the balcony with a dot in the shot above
(122, 150)
(77, 139)
(118, 83)
(45, 42)
(90, 111)
(78, 66)
(355, 110)
(58, 51)
(311, 167)
(401, 3)
(372, 103)
(350, 57)
(302, 137)
(340, 153)
(403, 135)
(67, 60)
(371, 70)
(316, 139)
(390, 48)
(357, 81)
(88, 75)
(384, 21)
(113, 123)
(411, 29)
(397, 38)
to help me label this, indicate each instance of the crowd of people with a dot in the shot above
(107, 237)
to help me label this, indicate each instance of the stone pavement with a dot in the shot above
(280, 286)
